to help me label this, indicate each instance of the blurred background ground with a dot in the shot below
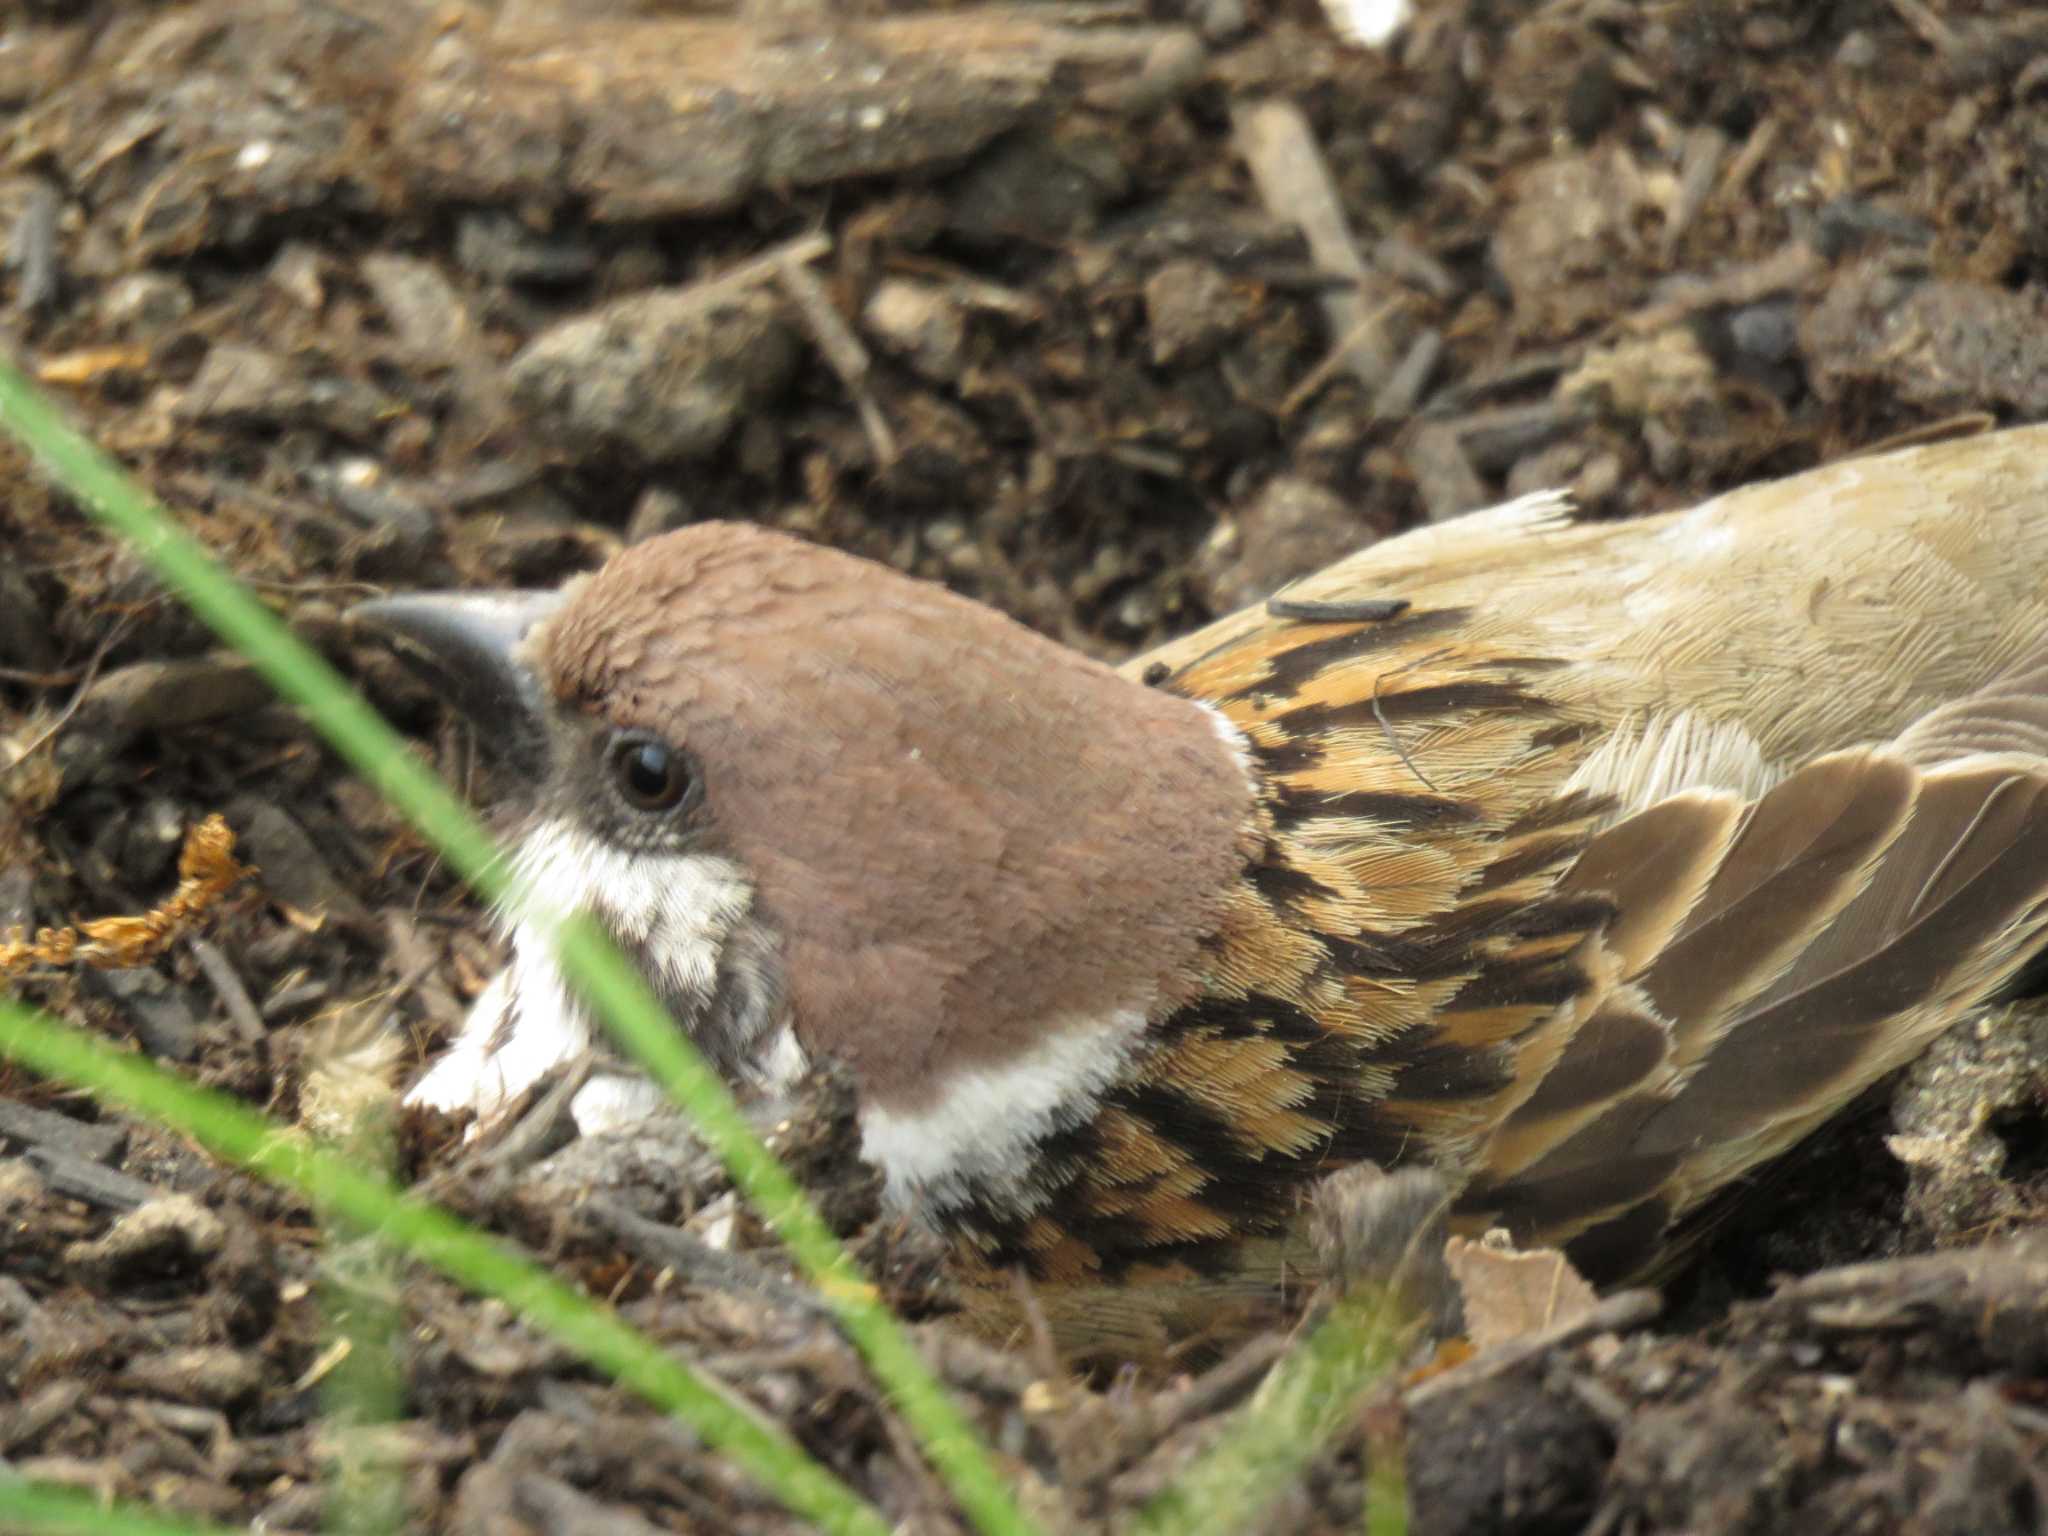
(1116, 315)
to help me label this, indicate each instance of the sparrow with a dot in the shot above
(1591, 864)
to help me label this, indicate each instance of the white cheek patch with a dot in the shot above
(677, 907)
(675, 910)
(977, 1140)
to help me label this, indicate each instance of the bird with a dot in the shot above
(1591, 864)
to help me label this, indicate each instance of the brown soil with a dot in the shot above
(382, 293)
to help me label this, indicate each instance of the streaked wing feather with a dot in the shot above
(1655, 865)
(1860, 908)
(1652, 867)
(1743, 889)
(1953, 910)
(1623, 1047)
(1804, 851)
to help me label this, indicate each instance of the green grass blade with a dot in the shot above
(616, 992)
(371, 1204)
(38, 1509)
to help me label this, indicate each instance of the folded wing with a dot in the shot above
(1779, 954)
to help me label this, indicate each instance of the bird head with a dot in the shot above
(832, 811)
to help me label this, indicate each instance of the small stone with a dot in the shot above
(299, 272)
(246, 385)
(1561, 235)
(665, 375)
(1137, 612)
(1856, 52)
(145, 304)
(403, 529)
(919, 322)
(150, 841)
(243, 382)
(1658, 375)
(1036, 186)
(1191, 308)
(1765, 332)
(175, 1234)
(295, 872)
(1289, 529)
(21, 1187)
(422, 306)
(1945, 345)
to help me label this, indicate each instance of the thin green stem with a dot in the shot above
(359, 1290)
(1313, 1393)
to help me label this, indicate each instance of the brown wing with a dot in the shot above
(1861, 907)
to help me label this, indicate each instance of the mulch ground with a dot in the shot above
(1116, 315)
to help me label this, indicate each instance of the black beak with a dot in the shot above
(466, 646)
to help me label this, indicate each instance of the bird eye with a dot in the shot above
(651, 775)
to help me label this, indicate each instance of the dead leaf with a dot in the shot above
(207, 871)
(1509, 1292)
